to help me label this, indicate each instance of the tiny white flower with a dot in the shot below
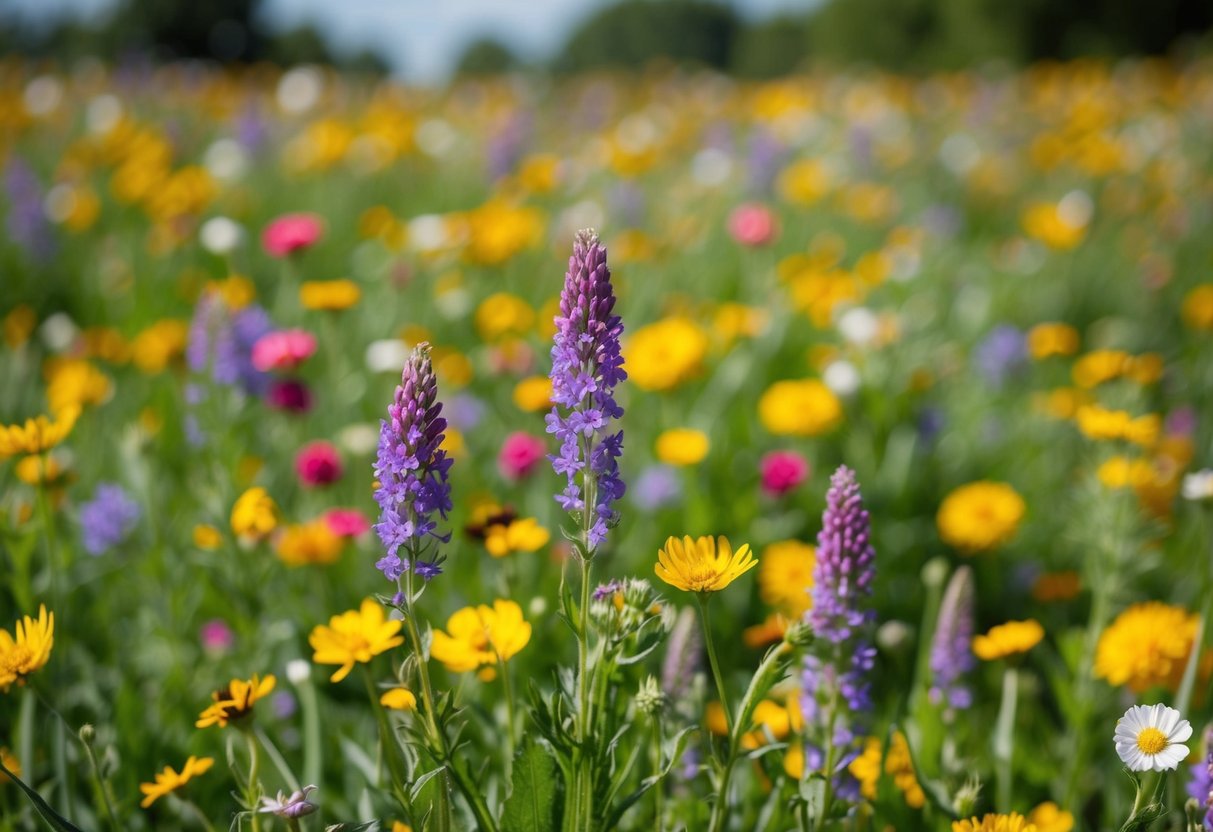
(220, 235)
(1152, 737)
(299, 671)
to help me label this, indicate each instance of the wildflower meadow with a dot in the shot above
(663, 452)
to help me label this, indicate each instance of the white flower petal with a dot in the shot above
(1181, 733)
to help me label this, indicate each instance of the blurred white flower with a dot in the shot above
(58, 332)
(358, 439)
(386, 355)
(220, 235)
(1198, 485)
(859, 325)
(435, 137)
(103, 114)
(1075, 209)
(298, 671)
(226, 160)
(299, 89)
(711, 167)
(1151, 737)
(428, 232)
(842, 377)
(42, 95)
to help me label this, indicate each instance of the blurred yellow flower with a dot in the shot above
(1099, 366)
(153, 349)
(106, 344)
(37, 435)
(1013, 822)
(19, 325)
(235, 701)
(521, 535)
(899, 765)
(477, 636)
(399, 699)
(1121, 472)
(72, 383)
(1197, 308)
(1146, 646)
(10, 762)
(308, 543)
(236, 290)
(785, 576)
(682, 446)
(1009, 639)
(329, 295)
(170, 781)
(354, 637)
(254, 515)
(207, 537)
(502, 314)
(705, 564)
(1049, 339)
(533, 394)
(803, 407)
(1046, 222)
(664, 354)
(980, 516)
(28, 651)
(866, 768)
(1049, 817)
(497, 231)
(1101, 424)
(39, 470)
(804, 182)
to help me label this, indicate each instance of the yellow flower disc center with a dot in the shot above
(701, 579)
(1151, 741)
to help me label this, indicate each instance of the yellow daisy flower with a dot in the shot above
(702, 565)
(28, 651)
(1013, 822)
(1008, 639)
(481, 635)
(235, 701)
(37, 435)
(169, 780)
(356, 636)
(399, 699)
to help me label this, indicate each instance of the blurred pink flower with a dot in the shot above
(753, 224)
(292, 232)
(283, 349)
(520, 454)
(290, 394)
(216, 636)
(347, 522)
(318, 463)
(782, 471)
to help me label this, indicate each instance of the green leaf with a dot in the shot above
(532, 805)
(56, 820)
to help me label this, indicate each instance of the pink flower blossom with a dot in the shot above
(290, 394)
(292, 232)
(318, 463)
(782, 471)
(753, 224)
(216, 636)
(283, 349)
(347, 522)
(520, 454)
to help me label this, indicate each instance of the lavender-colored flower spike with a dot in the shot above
(586, 366)
(846, 563)
(108, 519)
(834, 682)
(951, 656)
(682, 656)
(412, 469)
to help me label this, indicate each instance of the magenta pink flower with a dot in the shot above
(782, 471)
(520, 455)
(347, 522)
(283, 350)
(318, 463)
(292, 232)
(290, 394)
(753, 224)
(216, 636)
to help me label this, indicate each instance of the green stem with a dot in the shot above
(202, 819)
(702, 599)
(1004, 736)
(389, 748)
(253, 791)
(659, 788)
(584, 785)
(276, 757)
(510, 722)
(99, 786)
(313, 770)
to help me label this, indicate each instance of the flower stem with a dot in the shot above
(702, 599)
(509, 715)
(584, 786)
(1004, 736)
(197, 812)
(103, 796)
(253, 791)
(659, 788)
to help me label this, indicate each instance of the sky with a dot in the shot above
(422, 38)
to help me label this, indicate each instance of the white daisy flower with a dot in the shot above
(1151, 737)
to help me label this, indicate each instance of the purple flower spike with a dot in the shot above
(951, 656)
(108, 519)
(586, 366)
(835, 687)
(412, 470)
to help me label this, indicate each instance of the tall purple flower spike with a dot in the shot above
(586, 367)
(951, 655)
(835, 686)
(412, 470)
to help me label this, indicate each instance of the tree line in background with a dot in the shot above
(902, 35)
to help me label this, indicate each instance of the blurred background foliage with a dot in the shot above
(900, 35)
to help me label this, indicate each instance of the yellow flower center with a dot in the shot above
(701, 579)
(18, 660)
(1151, 741)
